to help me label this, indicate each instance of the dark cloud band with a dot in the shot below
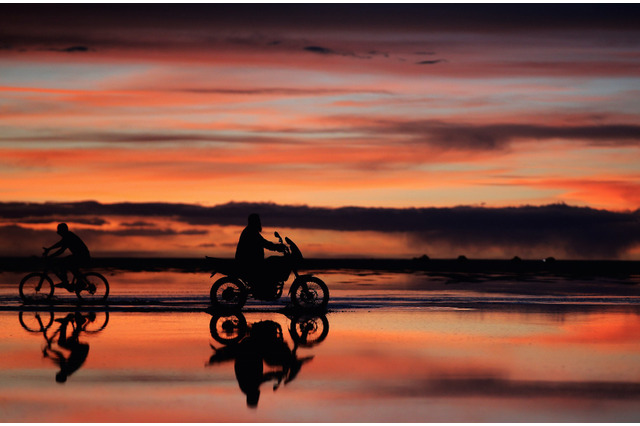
(449, 135)
(581, 232)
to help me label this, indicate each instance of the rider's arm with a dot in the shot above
(271, 246)
(56, 245)
(58, 356)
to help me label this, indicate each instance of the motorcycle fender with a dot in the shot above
(298, 278)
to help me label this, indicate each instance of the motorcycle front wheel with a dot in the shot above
(309, 292)
(228, 293)
(309, 330)
(228, 329)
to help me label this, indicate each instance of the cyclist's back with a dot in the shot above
(76, 246)
(80, 256)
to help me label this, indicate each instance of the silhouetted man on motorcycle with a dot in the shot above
(79, 254)
(250, 254)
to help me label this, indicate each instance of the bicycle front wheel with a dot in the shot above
(92, 287)
(36, 288)
(95, 321)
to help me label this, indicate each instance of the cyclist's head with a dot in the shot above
(61, 377)
(253, 396)
(62, 228)
(254, 221)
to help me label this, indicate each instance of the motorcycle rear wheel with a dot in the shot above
(228, 293)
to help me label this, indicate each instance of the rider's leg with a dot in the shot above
(251, 271)
(60, 269)
(277, 268)
(79, 320)
(73, 267)
(62, 338)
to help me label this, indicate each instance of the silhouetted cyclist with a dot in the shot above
(79, 255)
(250, 251)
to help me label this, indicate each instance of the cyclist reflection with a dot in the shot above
(63, 346)
(260, 344)
(70, 353)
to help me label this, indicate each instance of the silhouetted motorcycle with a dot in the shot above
(233, 289)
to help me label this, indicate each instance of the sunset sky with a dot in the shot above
(530, 112)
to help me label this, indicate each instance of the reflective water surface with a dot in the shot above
(399, 362)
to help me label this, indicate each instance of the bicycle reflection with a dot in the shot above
(252, 346)
(62, 337)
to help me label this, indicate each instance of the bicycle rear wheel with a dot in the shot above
(36, 287)
(92, 287)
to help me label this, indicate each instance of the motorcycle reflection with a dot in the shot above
(252, 346)
(67, 351)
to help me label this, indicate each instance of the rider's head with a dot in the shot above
(61, 377)
(253, 397)
(63, 228)
(254, 222)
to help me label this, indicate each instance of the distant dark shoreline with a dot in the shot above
(553, 267)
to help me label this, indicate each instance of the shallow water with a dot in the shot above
(409, 353)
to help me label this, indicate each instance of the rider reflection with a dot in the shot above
(70, 353)
(252, 353)
(260, 344)
(63, 346)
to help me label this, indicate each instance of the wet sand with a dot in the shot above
(398, 347)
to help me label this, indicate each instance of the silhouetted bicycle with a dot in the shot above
(40, 322)
(37, 287)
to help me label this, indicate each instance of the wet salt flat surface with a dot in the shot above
(392, 347)
(171, 290)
